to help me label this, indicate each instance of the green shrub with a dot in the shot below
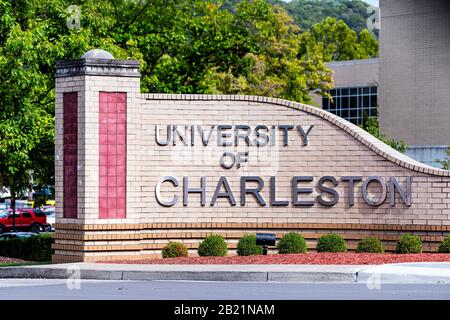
(371, 245)
(213, 245)
(40, 247)
(174, 250)
(36, 248)
(409, 244)
(292, 242)
(444, 247)
(14, 248)
(331, 243)
(247, 246)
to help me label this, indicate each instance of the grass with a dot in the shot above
(23, 263)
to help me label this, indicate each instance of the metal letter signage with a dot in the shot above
(328, 191)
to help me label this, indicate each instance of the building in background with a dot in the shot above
(414, 95)
(355, 92)
(409, 83)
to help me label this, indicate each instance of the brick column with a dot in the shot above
(93, 95)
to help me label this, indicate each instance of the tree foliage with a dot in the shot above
(33, 35)
(199, 46)
(272, 63)
(338, 42)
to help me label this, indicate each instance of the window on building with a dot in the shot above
(352, 104)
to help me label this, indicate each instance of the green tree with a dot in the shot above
(339, 42)
(33, 35)
(271, 62)
(180, 41)
(199, 46)
(368, 45)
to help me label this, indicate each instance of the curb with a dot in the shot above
(403, 273)
(233, 276)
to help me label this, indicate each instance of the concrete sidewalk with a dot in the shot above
(391, 273)
(414, 272)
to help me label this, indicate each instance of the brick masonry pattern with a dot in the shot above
(415, 71)
(112, 155)
(70, 154)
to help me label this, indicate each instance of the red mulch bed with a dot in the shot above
(308, 258)
(6, 259)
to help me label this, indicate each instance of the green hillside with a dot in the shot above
(309, 12)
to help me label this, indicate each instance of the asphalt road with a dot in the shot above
(181, 290)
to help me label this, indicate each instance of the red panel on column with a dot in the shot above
(70, 144)
(112, 154)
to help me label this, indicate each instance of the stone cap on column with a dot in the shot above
(97, 62)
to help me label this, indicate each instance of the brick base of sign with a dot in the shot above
(145, 241)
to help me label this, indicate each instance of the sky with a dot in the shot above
(373, 2)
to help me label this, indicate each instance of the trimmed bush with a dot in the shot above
(247, 246)
(15, 248)
(331, 243)
(36, 248)
(213, 245)
(292, 242)
(444, 247)
(370, 245)
(41, 247)
(174, 250)
(409, 244)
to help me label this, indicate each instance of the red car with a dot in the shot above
(26, 219)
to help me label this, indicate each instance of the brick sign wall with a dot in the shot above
(202, 164)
